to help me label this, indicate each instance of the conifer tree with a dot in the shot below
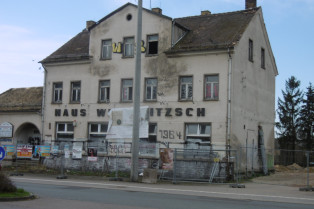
(288, 111)
(307, 119)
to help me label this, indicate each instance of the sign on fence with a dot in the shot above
(77, 150)
(92, 154)
(9, 149)
(166, 157)
(24, 151)
(2, 153)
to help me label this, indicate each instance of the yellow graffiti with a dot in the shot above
(117, 48)
(143, 49)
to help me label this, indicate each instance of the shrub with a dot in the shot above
(6, 184)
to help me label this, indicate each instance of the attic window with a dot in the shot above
(129, 17)
(250, 50)
(152, 45)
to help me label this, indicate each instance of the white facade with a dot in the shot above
(228, 118)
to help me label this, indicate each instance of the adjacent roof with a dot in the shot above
(214, 31)
(205, 32)
(21, 100)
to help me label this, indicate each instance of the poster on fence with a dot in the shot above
(24, 151)
(54, 150)
(41, 151)
(92, 154)
(166, 157)
(66, 151)
(77, 150)
(9, 150)
(44, 151)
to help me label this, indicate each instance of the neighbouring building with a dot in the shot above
(20, 116)
(207, 81)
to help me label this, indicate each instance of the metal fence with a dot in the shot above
(284, 167)
(211, 166)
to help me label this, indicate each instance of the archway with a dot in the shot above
(27, 133)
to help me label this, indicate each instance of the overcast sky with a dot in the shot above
(31, 30)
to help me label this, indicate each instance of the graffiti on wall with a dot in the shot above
(118, 47)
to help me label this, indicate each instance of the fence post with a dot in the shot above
(62, 176)
(308, 187)
(174, 167)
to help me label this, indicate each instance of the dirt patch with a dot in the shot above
(291, 175)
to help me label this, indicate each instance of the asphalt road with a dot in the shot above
(59, 194)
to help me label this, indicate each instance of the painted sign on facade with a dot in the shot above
(6, 129)
(24, 151)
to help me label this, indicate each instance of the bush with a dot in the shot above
(6, 184)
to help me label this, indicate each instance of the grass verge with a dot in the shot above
(18, 193)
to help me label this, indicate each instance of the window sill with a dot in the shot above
(104, 102)
(185, 100)
(56, 103)
(155, 100)
(211, 100)
(151, 55)
(124, 57)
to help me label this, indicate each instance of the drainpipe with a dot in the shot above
(228, 113)
(43, 105)
(229, 99)
(229, 103)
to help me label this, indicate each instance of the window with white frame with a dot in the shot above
(152, 44)
(64, 131)
(75, 91)
(186, 88)
(127, 90)
(97, 134)
(106, 49)
(57, 92)
(128, 47)
(104, 91)
(201, 131)
(211, 87)
(150, 89)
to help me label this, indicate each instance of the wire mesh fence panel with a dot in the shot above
(201, 165)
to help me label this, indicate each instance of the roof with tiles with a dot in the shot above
(213, 31)
(21, 100)
(204, 32)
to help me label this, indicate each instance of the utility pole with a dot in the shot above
(137, 92)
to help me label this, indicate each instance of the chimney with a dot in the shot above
(89, 23)
(157, 10)
(205, 12)
(249, 4)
